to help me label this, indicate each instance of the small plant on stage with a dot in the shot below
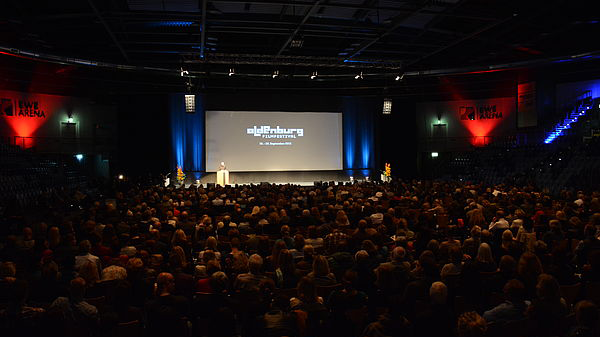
(386, 174)
(180, 175)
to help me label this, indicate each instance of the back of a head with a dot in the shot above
(475, 231)
(350, 278)
(587, 314)
(507, 236)
(471, 324)
(307, 289)
(438, 293)
(77, 288)
(218, 282)
(255, 263)
(164, 281)
(398, 254)
(361, 255)
(308, 250)
(529, 264)
(548, 287)
(455, 254)
(484, 253)
(85, 246)
(514, 290)
(320, 266)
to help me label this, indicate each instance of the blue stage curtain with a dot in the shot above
(187, 135)
(359, 133)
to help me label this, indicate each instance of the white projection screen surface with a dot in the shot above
(273, 141)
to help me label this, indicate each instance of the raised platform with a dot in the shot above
(302, 178)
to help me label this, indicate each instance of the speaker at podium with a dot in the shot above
(222, 175)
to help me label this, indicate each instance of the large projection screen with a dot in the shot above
(273, 141)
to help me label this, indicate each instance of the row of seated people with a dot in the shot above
(157, 271)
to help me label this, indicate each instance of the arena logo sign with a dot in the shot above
(21, 108)
(479, 112)
(266, 131)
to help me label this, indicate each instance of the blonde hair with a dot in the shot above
(211, 243)
(484, 253)
(179, 237)
(177, 250)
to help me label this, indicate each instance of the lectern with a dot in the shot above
(222, 177)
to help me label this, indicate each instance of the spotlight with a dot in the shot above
(190, 103)
(434, 154)
(387, 106)
(121, 177)
(70, 120)
(275, 74)
(359, 76)
(79, 156)
(400, 77)
(231, 71)
(314, 75)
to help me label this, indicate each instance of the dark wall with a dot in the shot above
(244, 101)
(144, 135)
(396, 138)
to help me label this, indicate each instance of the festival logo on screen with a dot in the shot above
(482, 112)
(22, 108)
(266, 131)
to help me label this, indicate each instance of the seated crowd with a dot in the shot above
(415, 258)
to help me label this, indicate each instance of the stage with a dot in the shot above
(302, 178)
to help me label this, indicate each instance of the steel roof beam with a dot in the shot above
(108, 30)
(304, 19)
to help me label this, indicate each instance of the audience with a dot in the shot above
(363, 259)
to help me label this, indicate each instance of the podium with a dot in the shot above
(222, 177)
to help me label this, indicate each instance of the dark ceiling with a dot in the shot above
(336, 38)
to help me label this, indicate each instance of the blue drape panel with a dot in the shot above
(187, 135)
(359, 133)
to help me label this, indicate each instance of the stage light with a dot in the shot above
(314, 75)
(275, 74)
(434, 154)
(387, 106)
(121, 177)
(359, 76)
(400, 77)
(79, 157)
(70, 120)
(231, 71)
(190, 104)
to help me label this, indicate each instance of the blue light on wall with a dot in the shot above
(187, 135)
(170, 24)
(358, 133)
(584, 103)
